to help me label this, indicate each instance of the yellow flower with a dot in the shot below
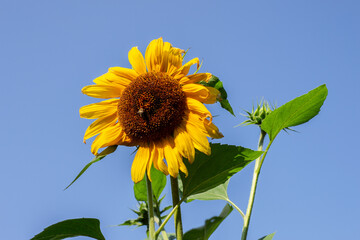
(156, 106)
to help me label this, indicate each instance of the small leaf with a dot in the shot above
(204, 232)
(207, 172)
(216, 83)
(89, 227)
(98, 157)
(158, 183)
(295, 112)
(268, 237)
(216, 193)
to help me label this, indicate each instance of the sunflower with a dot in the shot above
(155, 106)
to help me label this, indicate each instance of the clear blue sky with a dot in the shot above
(309, 185)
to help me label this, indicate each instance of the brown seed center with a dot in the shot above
(151, 107)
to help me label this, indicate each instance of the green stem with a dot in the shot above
(167, 219)
(257, 168)
(151, 209)
(177, 213)
(236, 207)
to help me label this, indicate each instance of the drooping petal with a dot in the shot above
(172, 157)
(137, 61)
(196, 106)
(159, 163)
(213, 97)
(184, 143)
(212, 130)
(139, 164)
(184, 70)
(127, 73)
(102, 91)
(197, 134)
(100, 124)
(100, 109)
(196, 91)
(110, 136)
(195, 78)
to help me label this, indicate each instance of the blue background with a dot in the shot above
(309, 184)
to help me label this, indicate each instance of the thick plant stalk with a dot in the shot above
(256, 173)
(151, 209)
(177, 213)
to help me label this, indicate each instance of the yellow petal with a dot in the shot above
(172, 157)
(213, 97)
(159, 163)
(174, 60)
(197, 107)
(198, 136)
(212, 130)
(102, 91)
(195, 78)
(139, 164)
(127, 73)
(184, 143)
(153, 55)
(164, 56)
(100, 109)
(112, 79)
(137, 61)
(196, 91)
(110, 136)
(184, 70)
(97, 126)
(153, 156)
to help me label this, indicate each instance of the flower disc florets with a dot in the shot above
(151, 107)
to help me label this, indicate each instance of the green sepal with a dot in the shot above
(204, 232)
(268, 237)
(295, 112)
(216, 83)
(158, 183)
(207, 172)
(98, 157)
(89, 227)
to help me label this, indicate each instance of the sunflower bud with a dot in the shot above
(258, 114)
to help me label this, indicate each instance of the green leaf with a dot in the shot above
(295, 112)
(268, 237)
(216, 193)
(158, 183)
(207, 172)
(89, 227)
(216, 83)
(204, 232)
(98, 157)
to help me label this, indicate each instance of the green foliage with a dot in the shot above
(295, 112)
(204, 232)
(141, 220)
(89, 227)
(158, 183)
(98, 157)
(216, 193)
(268, 237)
(216, 83)
(208, 172)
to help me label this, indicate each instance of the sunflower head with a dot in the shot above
(157, 106)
